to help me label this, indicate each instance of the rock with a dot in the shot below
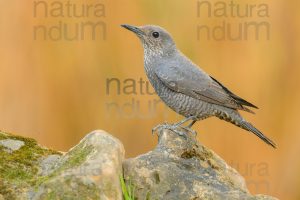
(90, 170)
(11, 145)
(47, 165)
(178, 168)
(182, 168)
(19, 164)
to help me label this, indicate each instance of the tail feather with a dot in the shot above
(235, 118)
(249, 127)
(247, 109)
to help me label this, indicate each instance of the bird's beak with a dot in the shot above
(134, 29)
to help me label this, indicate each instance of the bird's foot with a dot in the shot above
(174, 128)
(189, 130)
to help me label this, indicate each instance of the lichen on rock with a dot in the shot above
(90, 170)
(182, 168)
(19, 164)
(178, 168)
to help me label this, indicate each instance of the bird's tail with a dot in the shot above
(235, 118)
(249, 127)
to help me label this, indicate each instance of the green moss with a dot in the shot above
(19, 168)
(73, 158)
(6, 191)
(76, 156)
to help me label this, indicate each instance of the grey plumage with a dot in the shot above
(185, 87)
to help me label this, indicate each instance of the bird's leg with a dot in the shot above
(185, 120)
(191, 124)
(171, 127)
(188, 128)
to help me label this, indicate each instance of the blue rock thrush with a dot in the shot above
(185, 87)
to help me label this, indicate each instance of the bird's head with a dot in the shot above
(155, 40)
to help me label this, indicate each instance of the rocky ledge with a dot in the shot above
(178, 168)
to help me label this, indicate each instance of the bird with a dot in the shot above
(185, 87)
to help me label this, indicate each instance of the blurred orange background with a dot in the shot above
(56, 91)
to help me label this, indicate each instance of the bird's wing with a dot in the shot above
(190, 80)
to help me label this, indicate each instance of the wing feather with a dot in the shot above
(194, 82)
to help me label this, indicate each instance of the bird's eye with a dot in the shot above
(155, 34)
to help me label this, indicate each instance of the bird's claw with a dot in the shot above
(189, 130)
(173, 127)
(158, 127)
